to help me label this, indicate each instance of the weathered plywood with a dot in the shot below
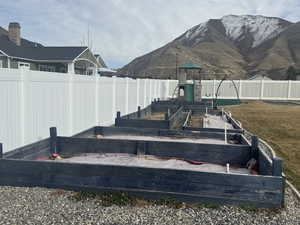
(36, 150)
(213, 153)
(262, 191)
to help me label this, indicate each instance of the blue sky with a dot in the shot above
(122, 30)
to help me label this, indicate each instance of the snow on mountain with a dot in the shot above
(197, 31)
(237, 28)
(260, 27)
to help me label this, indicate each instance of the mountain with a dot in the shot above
(238, 46)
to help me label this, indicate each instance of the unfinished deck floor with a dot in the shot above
(155, 116)
(196, 121)
(211, 121)
(166, 139)
(150, 161)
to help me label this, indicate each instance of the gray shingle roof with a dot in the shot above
(39, 53)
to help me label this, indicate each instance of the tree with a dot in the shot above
(291, 73)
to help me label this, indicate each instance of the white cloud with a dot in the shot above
(124, 29)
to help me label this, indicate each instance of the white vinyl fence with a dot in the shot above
(252, 89)
(33, 101)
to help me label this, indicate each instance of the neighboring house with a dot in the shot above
(101, 61)
(16, 52)
(259, 77)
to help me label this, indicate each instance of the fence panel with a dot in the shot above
(121, 97)
(10, 113)
(33, 101)
(142, 91)
(46, 104)
(295, 90)
(251, 89)
(132, 95)
(208, 89)
(275, 89)
(172, 88)
(84, 106)
(106, 101)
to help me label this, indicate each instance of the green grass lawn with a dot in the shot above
(279, 125)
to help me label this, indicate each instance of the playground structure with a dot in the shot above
(185, 90)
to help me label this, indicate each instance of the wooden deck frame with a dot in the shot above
(17, 168)
(136, 119)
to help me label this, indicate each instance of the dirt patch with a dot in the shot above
(196, 121)
(155, 116)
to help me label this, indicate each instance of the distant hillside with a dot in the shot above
(239, 46)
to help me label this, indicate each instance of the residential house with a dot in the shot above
(16, 52)
(259, 77)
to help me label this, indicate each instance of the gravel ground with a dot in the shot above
(48, 206)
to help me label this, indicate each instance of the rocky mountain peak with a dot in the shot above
(236, 45)
(256, 29)
(260, 28)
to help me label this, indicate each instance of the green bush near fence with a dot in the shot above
(227, 102)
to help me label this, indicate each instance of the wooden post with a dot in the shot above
(225, 132)
(1, 150)
(98, 131)
(254, 147)
(277, 167)
(117, 118)
(166, 116)
(53, 140)
(139, 112)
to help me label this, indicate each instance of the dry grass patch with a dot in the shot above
(279, 125)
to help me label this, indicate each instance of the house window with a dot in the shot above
(23, 65)
(1, 64)
(47, 68)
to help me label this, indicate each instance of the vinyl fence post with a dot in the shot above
(127, 96)
(23, 100)
(289, 89)
(97, 121)
(70, 97)
(156, 89)
(214, 88)
(150, 92)
(113, 94)
(145, 92)
(240, 88)
(159, 90)
(262, 86)
(137, 92)
(167, 91)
